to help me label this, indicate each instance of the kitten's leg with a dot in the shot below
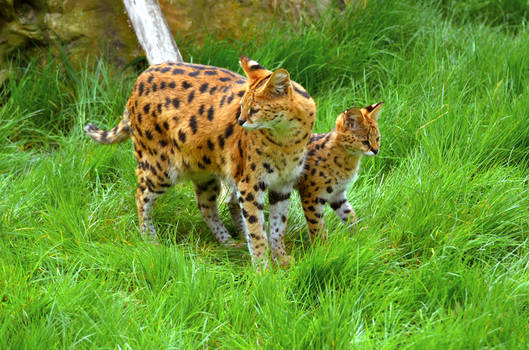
(206, 194)
(146, 194)
(279, 200)
(313, 208)
(343, 209)
(251, 197)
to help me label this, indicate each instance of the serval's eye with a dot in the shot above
(366, 143)
(378, 139)
(253, 110)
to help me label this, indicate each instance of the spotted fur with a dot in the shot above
(332, 163)
(208, 124)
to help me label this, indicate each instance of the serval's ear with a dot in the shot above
(374, 110)
(253, 70)
(353, 117)
(279, 83)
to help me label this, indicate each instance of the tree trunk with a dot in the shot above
(152, 31)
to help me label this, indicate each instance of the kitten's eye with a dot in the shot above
(253, 110)
(366, 143)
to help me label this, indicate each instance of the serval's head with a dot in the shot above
(358, 131)
(273, 101)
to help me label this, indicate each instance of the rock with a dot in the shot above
(88, 28)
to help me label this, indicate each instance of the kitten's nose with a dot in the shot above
(241, 122)
(374, 150)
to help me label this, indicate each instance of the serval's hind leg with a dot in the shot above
(206, 194)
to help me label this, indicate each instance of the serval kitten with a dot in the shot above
(332, 163)
(208, 124)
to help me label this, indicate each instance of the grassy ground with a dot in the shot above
(440, 259)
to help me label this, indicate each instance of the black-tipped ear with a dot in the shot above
(374, 110)
(252, 68)
(353, 117)
(279, 82)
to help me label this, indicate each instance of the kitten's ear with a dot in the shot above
(374, 110)
(279, 82)
(252, 69)
(353, 116)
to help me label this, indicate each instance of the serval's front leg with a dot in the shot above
(251, 197)
(279, 200)
(235, 211)
(313, 208)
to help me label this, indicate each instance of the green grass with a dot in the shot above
(440, 259)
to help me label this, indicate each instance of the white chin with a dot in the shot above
(369, 154)
(251, 126)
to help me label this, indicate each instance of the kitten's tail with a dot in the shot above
(117, 134)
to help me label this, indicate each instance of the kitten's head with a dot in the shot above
(269, 102)
(357, 130)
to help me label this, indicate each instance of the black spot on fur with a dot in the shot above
(212, 90)
(337, 205)
(203, 88)
(261, 186)
(222, 100)
(172, 85)
(182, 136)
(148, 134)
(329, 189)
(256, 67)
(150, 78)
(252, 219)
(140, 88)
(225, 79)
(211, 111)
(193, 124)
(178, 71)
(157, 128)
(229, 131)
(163, 143)
(211, 145)
(228, 101)
(165, 69)
(186, 85)
(176, 102)
(210, 72)
(275, 197)
(240, 93)
(194, 74)
(268, 167)
(201, 110)
(206, 160)
(221, 141)
(191, 96)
